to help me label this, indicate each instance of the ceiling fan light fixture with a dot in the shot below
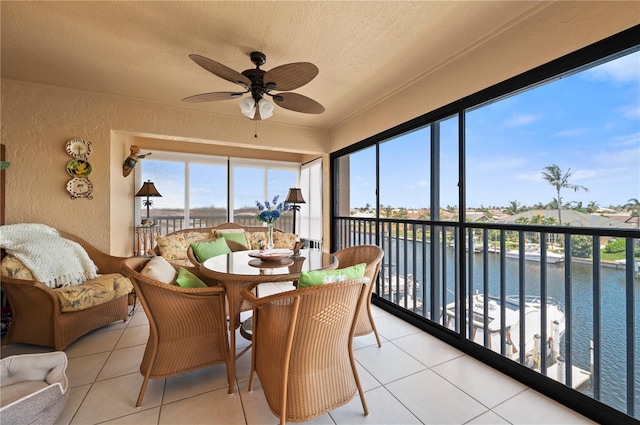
(258, 83)
(247, 107)
(266, 109)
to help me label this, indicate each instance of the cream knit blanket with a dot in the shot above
(53, 260)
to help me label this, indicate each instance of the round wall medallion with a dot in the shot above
(80, 188)
(79, 168)
(78, 148)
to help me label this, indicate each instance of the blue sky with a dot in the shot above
(208, 183)
(588, 123)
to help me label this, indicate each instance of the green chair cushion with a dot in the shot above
(319, 277)
(186, 279)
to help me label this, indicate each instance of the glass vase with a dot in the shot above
(269, 236)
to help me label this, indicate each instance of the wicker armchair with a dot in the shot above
(187, 326)
(302, 348)
(372, 256)
(36, 313)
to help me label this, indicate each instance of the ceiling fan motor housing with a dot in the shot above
(258, 58)
(257, 83)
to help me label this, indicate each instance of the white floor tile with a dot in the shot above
(199, 381)
(137, 335)
(488, 418)
(434, 400)
(390, 327)
(85, 369)
(116, 397)
(531, 407)
(145, 417)
(384, 409)
(427, 349)
(94, 342)
(387, 363)
(122, 362)
(481, 382)
(214, 407)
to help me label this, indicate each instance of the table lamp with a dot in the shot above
(148, 190)
(294, 197)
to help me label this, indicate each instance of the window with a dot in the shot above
(310, 214)
(557, 152)
(197, 192)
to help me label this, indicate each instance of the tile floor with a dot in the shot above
(414, 378)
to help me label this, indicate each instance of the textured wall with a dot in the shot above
(38, 120)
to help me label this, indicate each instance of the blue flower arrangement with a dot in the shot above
(270, 212)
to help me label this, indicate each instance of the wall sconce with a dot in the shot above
(295, 197)
(148, 190)
(131, 161)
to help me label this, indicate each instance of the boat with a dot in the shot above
(532, 253)
(555, 327)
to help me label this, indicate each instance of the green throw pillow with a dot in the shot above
(186, 279)
(236, 237)
(208, 249)
(319, 277)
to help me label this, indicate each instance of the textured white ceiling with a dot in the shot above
(365, 51)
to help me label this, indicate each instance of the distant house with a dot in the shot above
(570, 218)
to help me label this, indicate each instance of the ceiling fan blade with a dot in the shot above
(291, 76)
(299, 103)
(213, 96)
(221, 70)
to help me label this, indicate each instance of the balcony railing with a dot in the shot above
(541, 296)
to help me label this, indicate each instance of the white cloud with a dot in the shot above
(583, 174)
(520, 120)
(572, 132)
(495, 164)
(423, 183)
(623, 70)
(632, 139)
(631, 112)
(531, 177)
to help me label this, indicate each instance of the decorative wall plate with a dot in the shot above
(79, 168)
(80, 188)
(78, 148)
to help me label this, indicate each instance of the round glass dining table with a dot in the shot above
(243, 270)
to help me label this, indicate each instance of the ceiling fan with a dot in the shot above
(260, 83)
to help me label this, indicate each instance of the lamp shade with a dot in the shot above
(248, 106)
(295, 196)
(266, 109)
(148, 190)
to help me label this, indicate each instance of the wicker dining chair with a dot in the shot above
(187, 326)
(371, 255)
(302, 348)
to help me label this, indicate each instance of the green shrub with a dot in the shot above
(581, 246)
(617, 245)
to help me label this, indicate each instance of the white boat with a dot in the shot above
(555, 323)
(532, 253)
(555, 326)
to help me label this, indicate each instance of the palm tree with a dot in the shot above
(593, 207)
(513, 208)
(553, 174)
(634, 204)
